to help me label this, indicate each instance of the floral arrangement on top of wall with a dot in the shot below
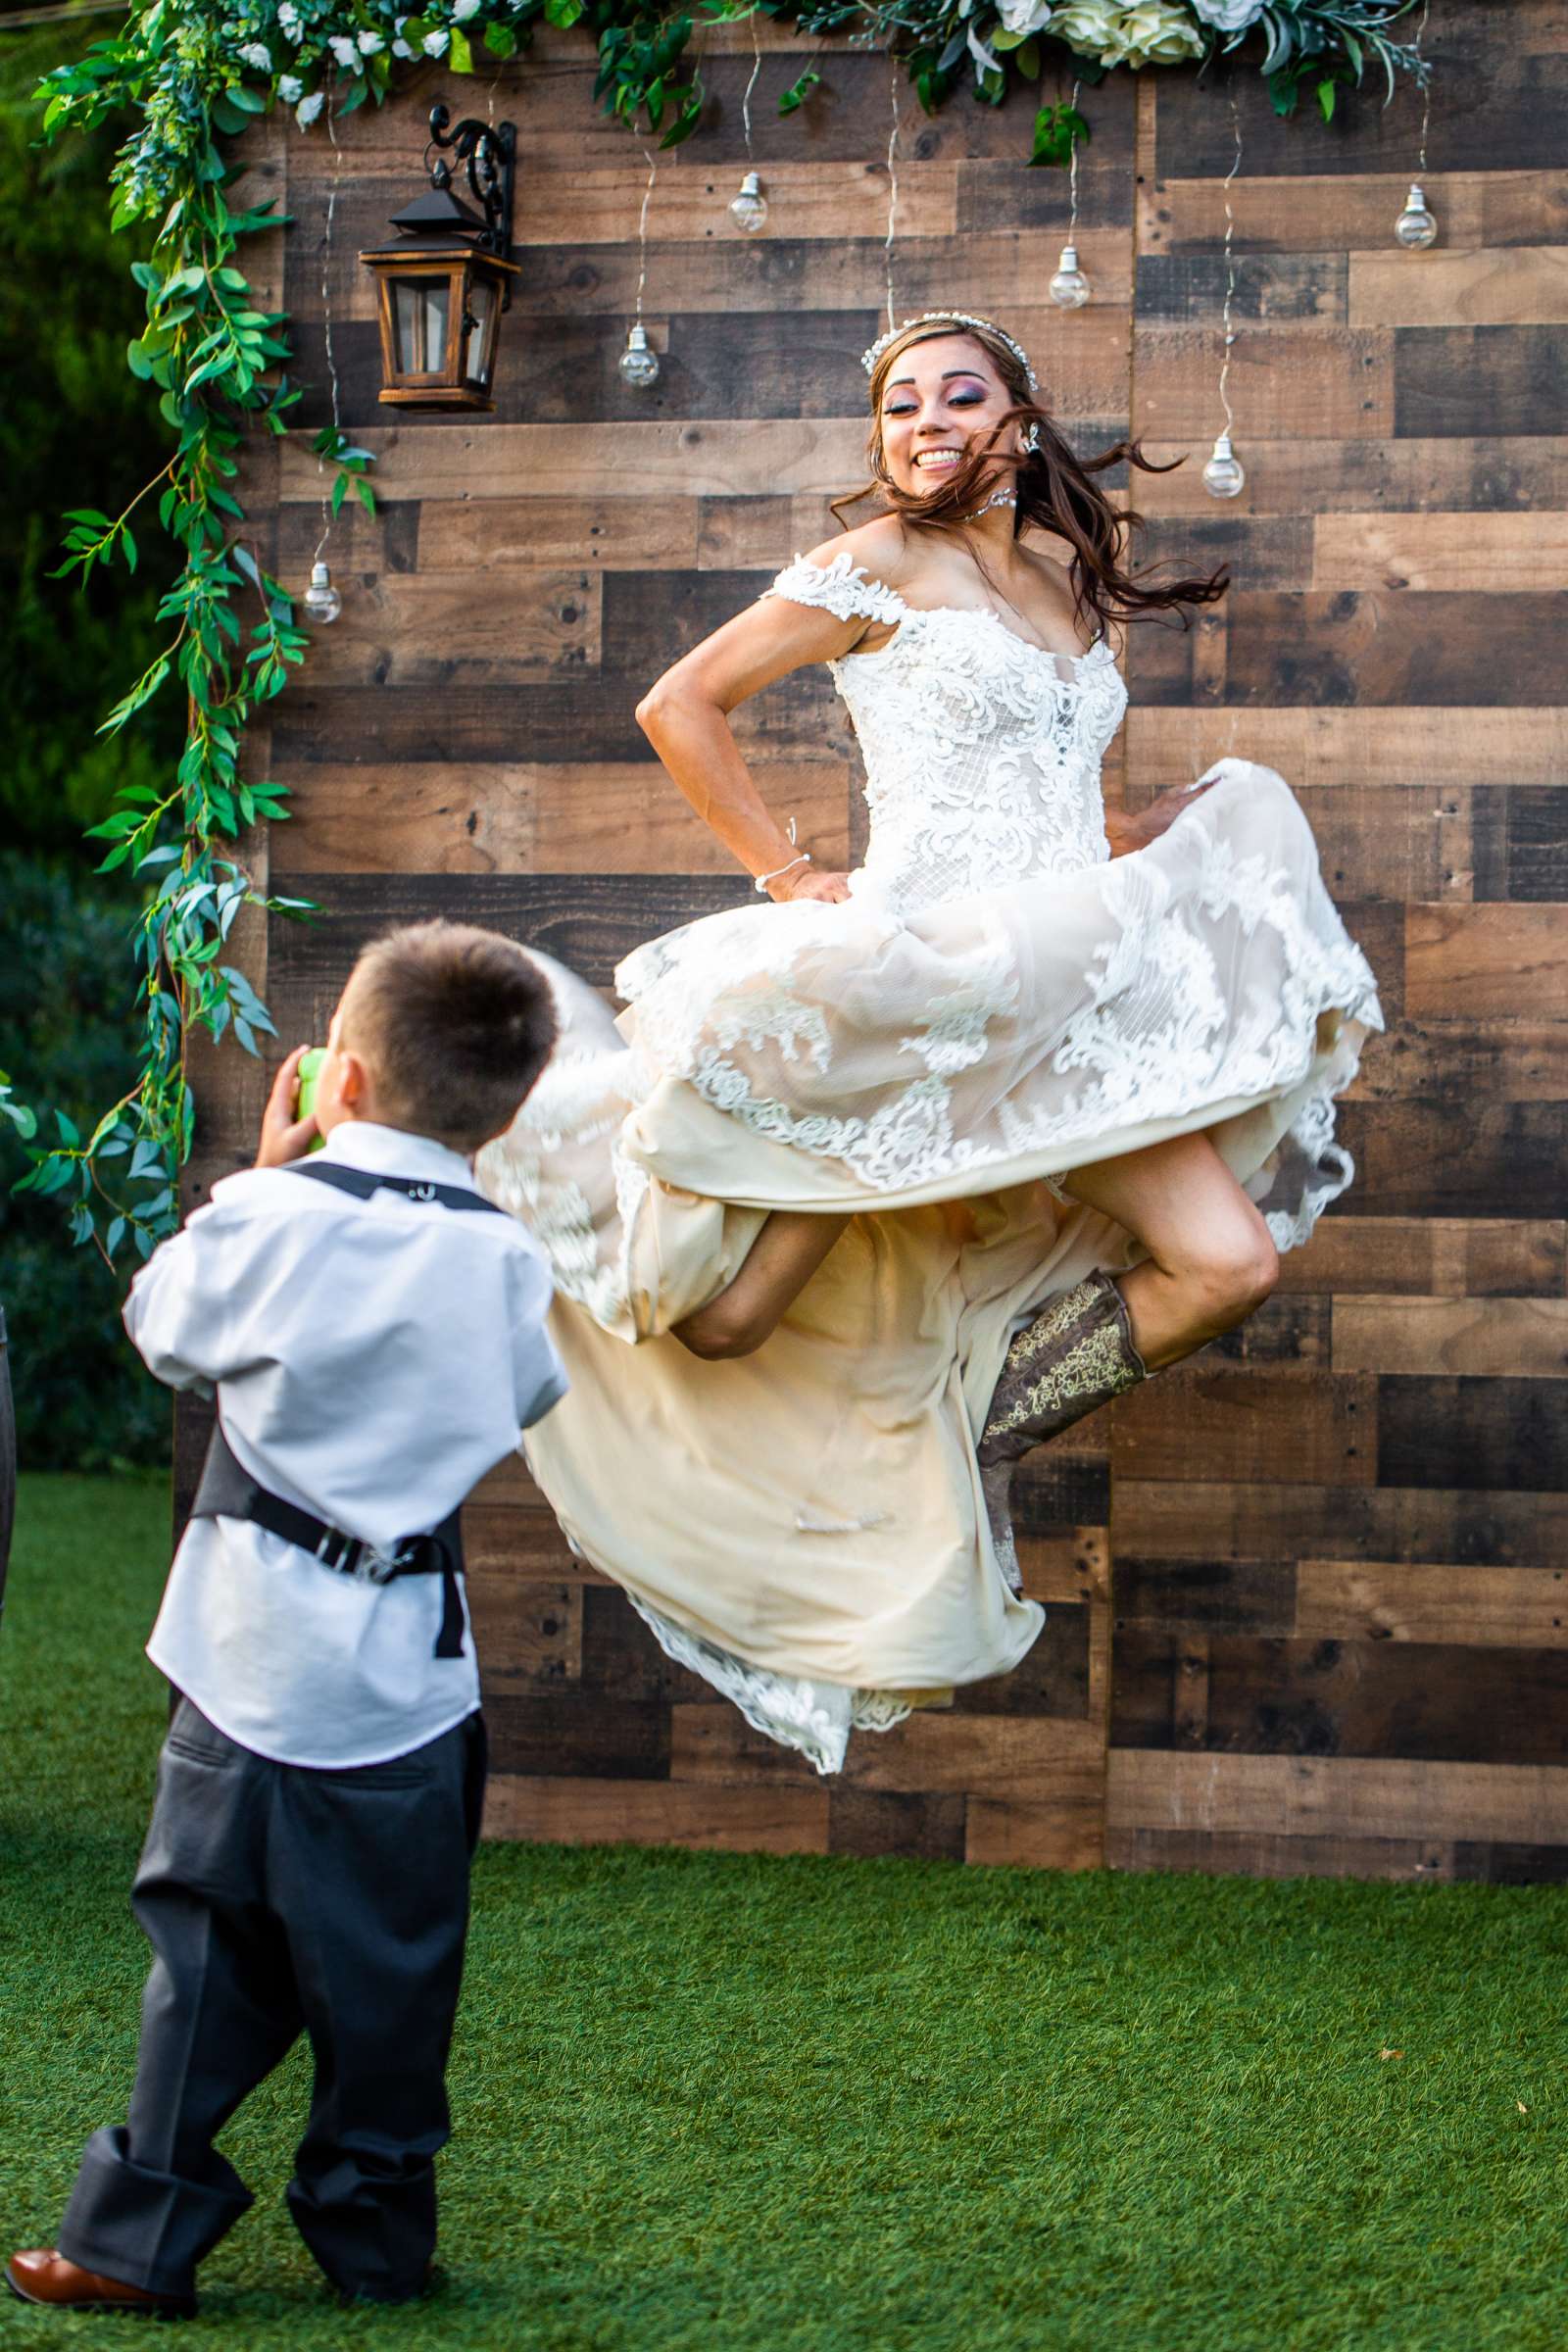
(188, 72)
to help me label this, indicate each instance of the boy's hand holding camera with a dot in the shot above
(286, 1137)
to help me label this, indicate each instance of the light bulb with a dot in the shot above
(639, 361)
(748, 210)
(1069, 288)
(321, 601)
(1223, 475)
(1415, 225)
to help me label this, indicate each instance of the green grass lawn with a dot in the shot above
(811, 2106)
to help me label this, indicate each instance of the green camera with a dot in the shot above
(309, 1071)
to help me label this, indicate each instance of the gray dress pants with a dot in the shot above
(279, 1899)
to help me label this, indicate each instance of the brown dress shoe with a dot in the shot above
(43, 2275)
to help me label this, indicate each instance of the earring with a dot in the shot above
(1031, 442)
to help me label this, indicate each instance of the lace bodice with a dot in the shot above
(982, 750)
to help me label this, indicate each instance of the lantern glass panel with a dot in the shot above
(479, 349)
(419, 312)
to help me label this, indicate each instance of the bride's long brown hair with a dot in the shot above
(1054, 487)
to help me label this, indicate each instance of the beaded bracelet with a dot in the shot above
(762, 881)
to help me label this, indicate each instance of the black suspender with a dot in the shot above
(362, 1182)
(227, 1490)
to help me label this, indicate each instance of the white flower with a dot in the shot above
(344, 50)
(290, 88)
(400, 49)
(1024, 17)
(1144, 32)
(257, 54)
(1228, 16)
(462, 10)
(370, 42)
(306, 114)
(289, 18)
(434, 44)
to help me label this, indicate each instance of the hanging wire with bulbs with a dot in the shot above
(748, 210)
(1223, 476)
(321, 602)
(1069, 288)
(1416, 228)
(638, 365)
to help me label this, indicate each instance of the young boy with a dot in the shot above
(376, 1334)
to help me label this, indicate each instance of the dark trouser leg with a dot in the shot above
(218, 2013)
(373, 1879)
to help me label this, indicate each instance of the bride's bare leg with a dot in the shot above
(1211, 1258)
(781, 1261)
(1210, 1263)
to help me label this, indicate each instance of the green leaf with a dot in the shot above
(460, 55)
(500, 41)
(1325, 99)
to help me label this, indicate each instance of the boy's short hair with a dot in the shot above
(455, 1024)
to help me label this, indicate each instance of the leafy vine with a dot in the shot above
(193, 72)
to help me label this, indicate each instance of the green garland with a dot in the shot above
(194, 71)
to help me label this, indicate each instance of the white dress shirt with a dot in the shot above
(372, 1359)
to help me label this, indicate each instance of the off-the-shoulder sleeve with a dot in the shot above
(839, 588)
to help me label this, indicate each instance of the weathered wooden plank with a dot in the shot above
(652, 460)
(528, 1636)
(1447, 1703)
(1188, 288)
(1521, 1338)
(1450, 1258)
(1456, 1160)
(1497, 1061)
(1201, 1596)
(508, 1542)
(1486, 961)
(1334, 212)
(578, 1732)
(1304, 1796)
(1300, 383)
(1491, 1432)
(1051, 1678)
(479, 535)
(1254, 1854)
(1265, 1519)
(1475, 379)
(1534, 861)
(1397, 1601)
(1511, 286)
(597, 818)
(1065, 1832)
(1440, 751)
(761, 1819)
(432, 629)
(1331, 476)
(1348, 646)
(1287, 1334)
(588, 922)
(867, 1820)
(1244, 1425)
(1482, 553)
(622, 1657)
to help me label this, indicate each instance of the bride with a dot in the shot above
(896, 1177)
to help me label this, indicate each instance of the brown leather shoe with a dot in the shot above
(42, 2274)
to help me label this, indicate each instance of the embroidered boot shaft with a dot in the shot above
(1077, 1355)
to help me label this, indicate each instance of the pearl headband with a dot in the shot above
(869, 359)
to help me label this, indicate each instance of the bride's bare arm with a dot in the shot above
(784, 1257)
(685, 715)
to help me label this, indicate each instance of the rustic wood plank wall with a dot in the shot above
(1305, 1594)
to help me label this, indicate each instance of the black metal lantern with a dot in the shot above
(444, 285)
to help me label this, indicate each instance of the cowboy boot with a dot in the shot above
(1076, 1355)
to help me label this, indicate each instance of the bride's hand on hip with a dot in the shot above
(810, 883)
(1126, 833)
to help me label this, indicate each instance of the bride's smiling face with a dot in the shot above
(941, 400)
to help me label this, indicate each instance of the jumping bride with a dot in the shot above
(871, 1189)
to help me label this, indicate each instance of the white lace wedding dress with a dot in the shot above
(998, 1003)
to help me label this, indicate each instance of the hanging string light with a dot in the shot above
(321, 602)
(748, 210)
(1069, 288)
(893, 192)
(1416, 228)
(1223, 476)
(639, 361)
